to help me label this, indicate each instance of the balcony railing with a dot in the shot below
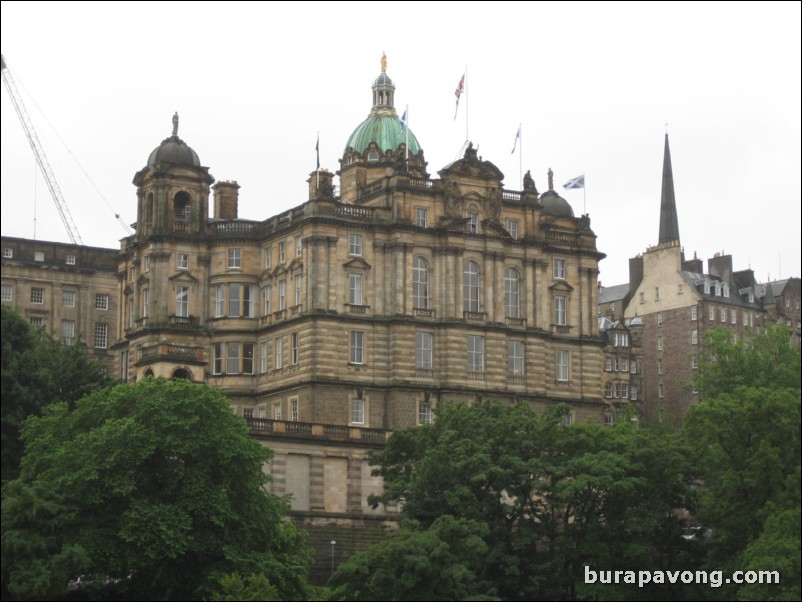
(516, 379)
(354, 211)
(561, 328)
(475, 375)
(474, 315)
(516, 321)
(190, 321)
(357, 309)
(424, 373)
(420, 312)
(340, 432)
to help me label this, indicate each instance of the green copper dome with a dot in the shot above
(382, 125)
(385, 130)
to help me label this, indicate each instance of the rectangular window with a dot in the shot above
(37, 321)
(656, 293)
(68, 331)
(660, 343)
(357, 411)
(124, 366)
(562, 365)
(420, 217)
(723, 313)
(473, 223)
(247, 358)
(282, 295)
(145, 297)
(279, 353)
(424, 413)
(624, 390)
(217, 358)
(294, 348)
(101, 301)
(559, 269)
(608, 390)
(608, 419)
(276, 411)
(249, 300)
(355, 289)
(267, 310)
(357, 347)
(624, 364)
(233, 299)
(219, 300)
(147, 263)
(70, 259)
(608, 363)
(694, 337)
(8, 253)
(130, 313)
(718, 289)
(232, 358)
(423, 350)
(101, 335)
(39, 256)
(712, 312)
(695, 362)
(234, 258)
(633, 367)
(680, 289)
(37, 295)
(659, 318)
(182, 261)
(660, 390)
(263, 358)
(294, 409)
(268, 252)
(745, 315)
(247, 413)
(8, 292)
(299, 249)
(512, 228)
(726, 291)
(693, 313)
(476, 353)
(68, 298)
(733, 316)
(642, 297)
(515, 358)
(182, 301)
(298, 289)
(659, 366)
(615, 364)
(559, 311)
(262, 412)
(633, 393)
(355, 244)
(282, 252)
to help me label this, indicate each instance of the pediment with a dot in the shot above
(183, 276)
(561, 286)
(356, 263)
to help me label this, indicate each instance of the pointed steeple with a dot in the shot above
(669, 225)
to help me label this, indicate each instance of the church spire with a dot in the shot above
(669, 225)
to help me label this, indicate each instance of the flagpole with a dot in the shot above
(406, 139)
(584, 204)
(521, 159)
(317, 169)
(467, 138)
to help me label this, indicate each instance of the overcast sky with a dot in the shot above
(593, 86)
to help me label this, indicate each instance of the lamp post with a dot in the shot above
(333, 543)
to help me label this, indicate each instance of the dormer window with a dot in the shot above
(707, 287)
(373, 156)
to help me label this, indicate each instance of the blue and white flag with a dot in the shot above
(403, 122)
(517, 138)
(577, 182)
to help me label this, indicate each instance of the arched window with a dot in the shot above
(470, 286)
(182, 204)
(149, 209)
(512, 295)
(182, 373)
(420, 283)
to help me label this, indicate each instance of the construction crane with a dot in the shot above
(39, 152)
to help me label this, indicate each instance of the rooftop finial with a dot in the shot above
(551, 179)
(175, 124)
(384, 63)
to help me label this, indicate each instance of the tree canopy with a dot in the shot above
(155, 490)
(552, 498)
(37, 370)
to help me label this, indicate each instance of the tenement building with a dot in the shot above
(671, 303)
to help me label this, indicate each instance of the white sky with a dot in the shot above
(593, 85)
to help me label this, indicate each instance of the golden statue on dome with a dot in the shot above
(384, 63)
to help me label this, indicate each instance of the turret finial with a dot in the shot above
(175, 124)
(384, 63)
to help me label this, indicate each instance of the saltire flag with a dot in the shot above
(458, 92)
(577, 182)
(403, 122)
(317, 150)
(517, 138)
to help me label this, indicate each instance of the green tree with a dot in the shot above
(438, 563)
(553, 498)
(37, 370)
(155, 489)
(746, 440)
